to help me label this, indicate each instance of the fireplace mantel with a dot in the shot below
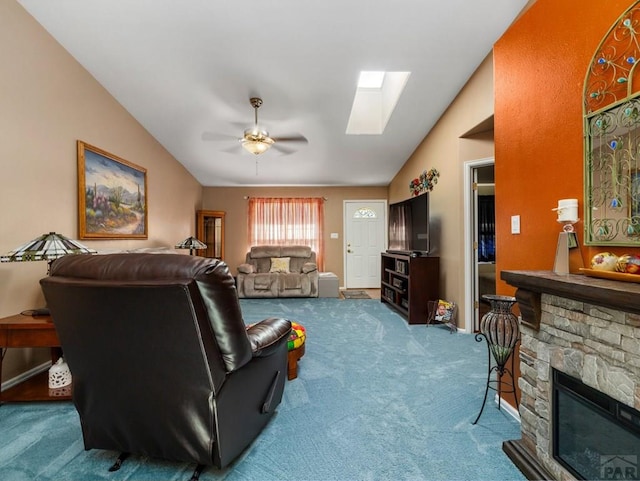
(585, 327)
(601, 292)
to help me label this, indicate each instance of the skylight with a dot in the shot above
(376, 97)
(370, 80)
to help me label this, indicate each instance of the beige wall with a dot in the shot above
(48, 102)
(232, 201)
(444, 149)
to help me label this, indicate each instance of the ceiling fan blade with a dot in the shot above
(291, 138)
(215, 136)
(282, 149)
(234, 149)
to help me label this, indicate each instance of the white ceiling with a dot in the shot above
(187, 68)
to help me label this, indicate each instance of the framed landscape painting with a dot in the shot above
(112, 196)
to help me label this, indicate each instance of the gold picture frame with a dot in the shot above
(112, 196)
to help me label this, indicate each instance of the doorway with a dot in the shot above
(365, 223)
(480, 246)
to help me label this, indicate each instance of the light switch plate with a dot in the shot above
(334, 235)
(515, 224)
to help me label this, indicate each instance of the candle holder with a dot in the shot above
(568, 258)
(567, 225)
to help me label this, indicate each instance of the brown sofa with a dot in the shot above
(162, 362)
(262, 276)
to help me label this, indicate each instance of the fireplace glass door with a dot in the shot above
(594, 436)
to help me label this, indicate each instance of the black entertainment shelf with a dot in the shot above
(408, 283)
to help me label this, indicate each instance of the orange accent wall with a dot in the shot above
(539, 70)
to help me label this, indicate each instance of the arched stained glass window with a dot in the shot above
(365, 213)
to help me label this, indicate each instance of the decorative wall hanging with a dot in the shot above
(112, 196)
(612, 136)
(424, 183)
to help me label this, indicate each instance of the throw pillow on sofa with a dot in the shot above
(280, 264)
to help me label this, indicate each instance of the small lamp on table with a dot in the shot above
(192, 244)
(47, 247)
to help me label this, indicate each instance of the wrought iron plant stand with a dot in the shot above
(499, 327)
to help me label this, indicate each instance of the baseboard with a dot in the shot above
(508, 408)
(525, 461)
(25, 375)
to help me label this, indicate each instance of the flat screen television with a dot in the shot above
(409, 226)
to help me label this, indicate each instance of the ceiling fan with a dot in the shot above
(256, 140)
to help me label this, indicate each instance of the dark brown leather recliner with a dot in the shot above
(161, 361)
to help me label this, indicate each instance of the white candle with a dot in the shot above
(567, 210)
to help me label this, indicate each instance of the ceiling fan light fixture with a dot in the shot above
(256, 140)
(257, 144)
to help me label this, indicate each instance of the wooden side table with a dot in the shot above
(27, 331)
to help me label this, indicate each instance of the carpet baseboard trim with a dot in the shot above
(25, 375)
(512, 411)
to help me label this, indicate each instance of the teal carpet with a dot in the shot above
(375, 399)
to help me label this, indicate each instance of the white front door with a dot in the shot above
(364, 241)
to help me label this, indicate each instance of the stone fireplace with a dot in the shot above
(587, 328)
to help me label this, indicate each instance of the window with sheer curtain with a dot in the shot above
(288, 221)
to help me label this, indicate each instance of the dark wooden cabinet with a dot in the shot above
(210, 230)
(409, 283)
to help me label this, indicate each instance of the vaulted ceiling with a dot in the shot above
(186, 70)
